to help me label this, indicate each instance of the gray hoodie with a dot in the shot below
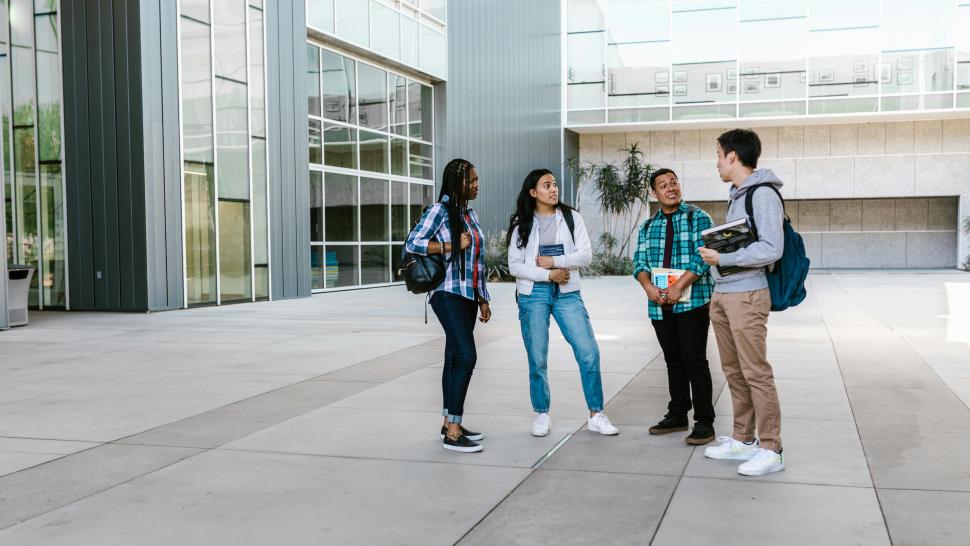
(769, 214)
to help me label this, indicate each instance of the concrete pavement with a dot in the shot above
(315, 422)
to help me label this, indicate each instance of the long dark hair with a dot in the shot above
(454, 180)
(525, 208)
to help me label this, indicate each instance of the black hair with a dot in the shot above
(744, 143)
(658, 173)
(454, 182)
(525, 208)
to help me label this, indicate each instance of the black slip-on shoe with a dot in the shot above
(669, 424)
(701, 435)
(462, 445)
(473, 436)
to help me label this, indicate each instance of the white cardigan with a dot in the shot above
(522, 261)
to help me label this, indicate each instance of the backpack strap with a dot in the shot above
(749, 208)
(567, 215)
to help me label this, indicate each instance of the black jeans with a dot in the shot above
(683, 338)
(457, 316)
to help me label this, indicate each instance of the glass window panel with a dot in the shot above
(399, 104)
(707, 111)
(753, 10)
(704, 36)
(256, 3)
(420, 107)
(917, 71)
(396, 251)
(313, 80)
(340, 146)
(316, 206)
(320, 15)
(434, 52)
(385, 30)
(341, 266)
(49, 106)
(762, 109)
(4, 23)
(829, 14)
(352, 21)
(23, 86)
(257, 75)
(586, 116)
(235, 267)
(232, 140)
(963, 47)
(374, 210)
(630, 115)
(702, 82)
(585, 15)
(399, 157)
(372, 108)
(399, 211)
(315, 142)
(261, 274)
(916, 102)
(196, 93)
(339, 88)
(260, 209)
(52, 235)
(340, 196)
(196, 9)
(22, 25)
(410, 30)
(843, 106)
(373, 152)
(26, 220)
(318, 268)
(627, 20)
(918, 24)
(963, 101)
(375, 264)
(46, 32)
(843, 62)
(200, 238)
(778, 71)
(639, 75)
(421, 196)
(229, 17)
(585, 55)
(585, 95)
(436, 8)
(421, 165)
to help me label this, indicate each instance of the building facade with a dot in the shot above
(164, 154)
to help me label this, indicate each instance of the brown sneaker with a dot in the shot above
(702, 434)
(669, 424)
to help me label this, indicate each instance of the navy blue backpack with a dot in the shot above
(786, 280)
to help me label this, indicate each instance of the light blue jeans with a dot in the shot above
(570, 313)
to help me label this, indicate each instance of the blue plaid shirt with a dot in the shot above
(652, 243)
(434, 226)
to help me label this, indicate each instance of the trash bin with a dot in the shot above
(18, 286)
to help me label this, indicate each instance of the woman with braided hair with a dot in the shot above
(451, 227)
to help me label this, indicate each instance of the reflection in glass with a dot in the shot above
(232, 140)
(374, 205)
(313, 80)
(320, 15)
(421, 196)
(434, 51)
(352, 21)
(375, 262)
(25, 187)
(196, 9)
(318, 268)
(634, 73)
(341, 210)
(257, 74)
(771, 73)
(585, 56)
(420, 107)
(396, 251)
(315, 142)
(373, 152)
(53, 240)
(436, 8)
(410, 30)
(585, 95)
(399, 104)
(340, 146)
(399, 157)
(421, 165)
(704, 50)
(7, 163)
(842, 62)
(399, 211)
(200, 241)
(341, 266)
(261, 279)
(917, 71)
(196, 93)
(48, 97)
(235, 266)
(230, 38)
(260, 209)
(585, 16)
(385, 31)
(316, 206)
(339, 88)
(963, 48)
(372, 108)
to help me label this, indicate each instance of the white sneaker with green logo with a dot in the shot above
(730, 449)
(764, 462)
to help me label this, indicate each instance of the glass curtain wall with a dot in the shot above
(224, 151)
(634, 61)
(371, 149)
(413, 32)
(31, 97)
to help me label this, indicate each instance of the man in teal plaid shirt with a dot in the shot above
(669, 239)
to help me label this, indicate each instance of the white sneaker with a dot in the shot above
(601, 423)
(764, 462)
(731, 449)
(540, 427)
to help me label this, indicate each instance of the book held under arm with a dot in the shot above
(727, 238)
(663, 278)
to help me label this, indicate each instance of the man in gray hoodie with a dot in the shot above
(740, 307)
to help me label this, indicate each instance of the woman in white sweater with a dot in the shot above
(548, 244)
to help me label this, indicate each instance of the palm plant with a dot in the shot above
(623, 196)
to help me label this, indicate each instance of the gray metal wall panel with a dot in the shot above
(288, 162)
(503, 97)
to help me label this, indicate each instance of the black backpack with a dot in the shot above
(421, 273)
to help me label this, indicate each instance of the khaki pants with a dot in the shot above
(741, 327)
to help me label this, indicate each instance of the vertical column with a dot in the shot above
(963, 228)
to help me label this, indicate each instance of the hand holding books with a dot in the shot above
(726, 238)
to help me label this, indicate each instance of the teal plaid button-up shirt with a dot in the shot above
(652, 243)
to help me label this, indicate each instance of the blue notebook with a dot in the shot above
(551, 250)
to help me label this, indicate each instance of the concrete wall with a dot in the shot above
(859, 164)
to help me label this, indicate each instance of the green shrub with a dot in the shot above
(497, 259)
